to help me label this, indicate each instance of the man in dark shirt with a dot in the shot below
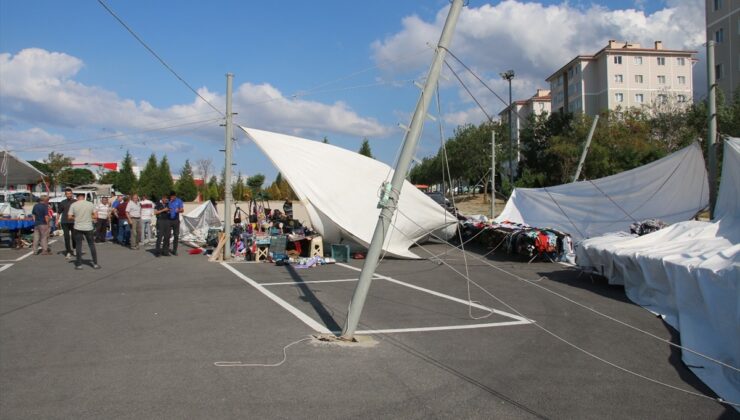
(176, 206)
(65, 223)
(41, 225)
(124, 230)
(161, 210)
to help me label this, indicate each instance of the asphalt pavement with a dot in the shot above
(141, 338)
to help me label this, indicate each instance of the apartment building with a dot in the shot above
(723, 26)
(623, 74)
(538, 104)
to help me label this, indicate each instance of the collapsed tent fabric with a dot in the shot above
(14, 170)
(340, 191)
(690, 274)
(672, 189)
(195, 225)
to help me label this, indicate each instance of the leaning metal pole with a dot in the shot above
(391, 192)
(227, 168)
(585, 148)
(711, 128)
(493, 172)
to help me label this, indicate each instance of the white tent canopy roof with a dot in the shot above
(340, 191)
(18, 170)
(671, 189)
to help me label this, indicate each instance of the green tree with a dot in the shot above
(109, 177)
(126, 179)
(185, 186)
(149, 178)
(164, 178)
(74, 177)
(237, 190)
(365, 149)
(254, 183)
(56, 162)
(212, 189)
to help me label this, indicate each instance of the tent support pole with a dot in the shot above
(493, 172)
(585, 148)
(227, 168)
(392, 191)
(711, 128)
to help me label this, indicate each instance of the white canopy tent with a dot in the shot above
(340, 191)
(195, 225)
(689, 273)
(14, 170)
(671, 189)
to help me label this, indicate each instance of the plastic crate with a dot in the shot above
(340, 252)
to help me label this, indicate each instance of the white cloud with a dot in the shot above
(536, 39)
(39, 89)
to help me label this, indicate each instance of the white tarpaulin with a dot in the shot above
(689, 273)
(340, 191)
(671, 189)
(14, 170)
(195, 225)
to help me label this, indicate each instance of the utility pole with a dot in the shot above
(493, 171)
(392, 191)
(712, 128)
(585, 148)
(509, 75)
(227, 168)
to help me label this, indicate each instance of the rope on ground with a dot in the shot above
(285, 357)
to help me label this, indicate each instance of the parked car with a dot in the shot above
(26, 197)
(440, 199)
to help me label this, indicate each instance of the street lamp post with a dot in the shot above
(508, 75)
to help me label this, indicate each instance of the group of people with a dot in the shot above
(128, 218)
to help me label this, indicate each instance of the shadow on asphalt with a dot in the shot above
(307, 295)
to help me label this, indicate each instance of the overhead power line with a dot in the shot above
(154, 53)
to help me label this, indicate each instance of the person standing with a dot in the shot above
(82, 213)
(65, 223)
(133, 214)
(147, 210)
(176, 206)
(162, 210)
(124, 230)
(103, 212)
(114, 218)
(41, 227)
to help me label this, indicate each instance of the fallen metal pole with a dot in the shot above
(391, 192)
(585, 148)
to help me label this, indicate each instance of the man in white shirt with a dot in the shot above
(133, 214)
(102, 211)
(147, 211)
(82, 213)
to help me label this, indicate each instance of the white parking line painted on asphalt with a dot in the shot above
(287, 306)
(442, 328)
(5, 267)
(297, 283)
(444, 296)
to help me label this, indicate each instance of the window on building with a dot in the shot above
(718, 71)
(681, 61)
(662, 98)
(619, 97)
(617, 59)
(661, 61)
(661, 80)
(681, 80)
(638, 78)
(618, 78)
(717, 4)
(638, 60)
(719, 35)
(639, 98)
(681, 98)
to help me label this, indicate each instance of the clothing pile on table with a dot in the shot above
(519, 239)
(647, 226)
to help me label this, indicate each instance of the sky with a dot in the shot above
(74, 81)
